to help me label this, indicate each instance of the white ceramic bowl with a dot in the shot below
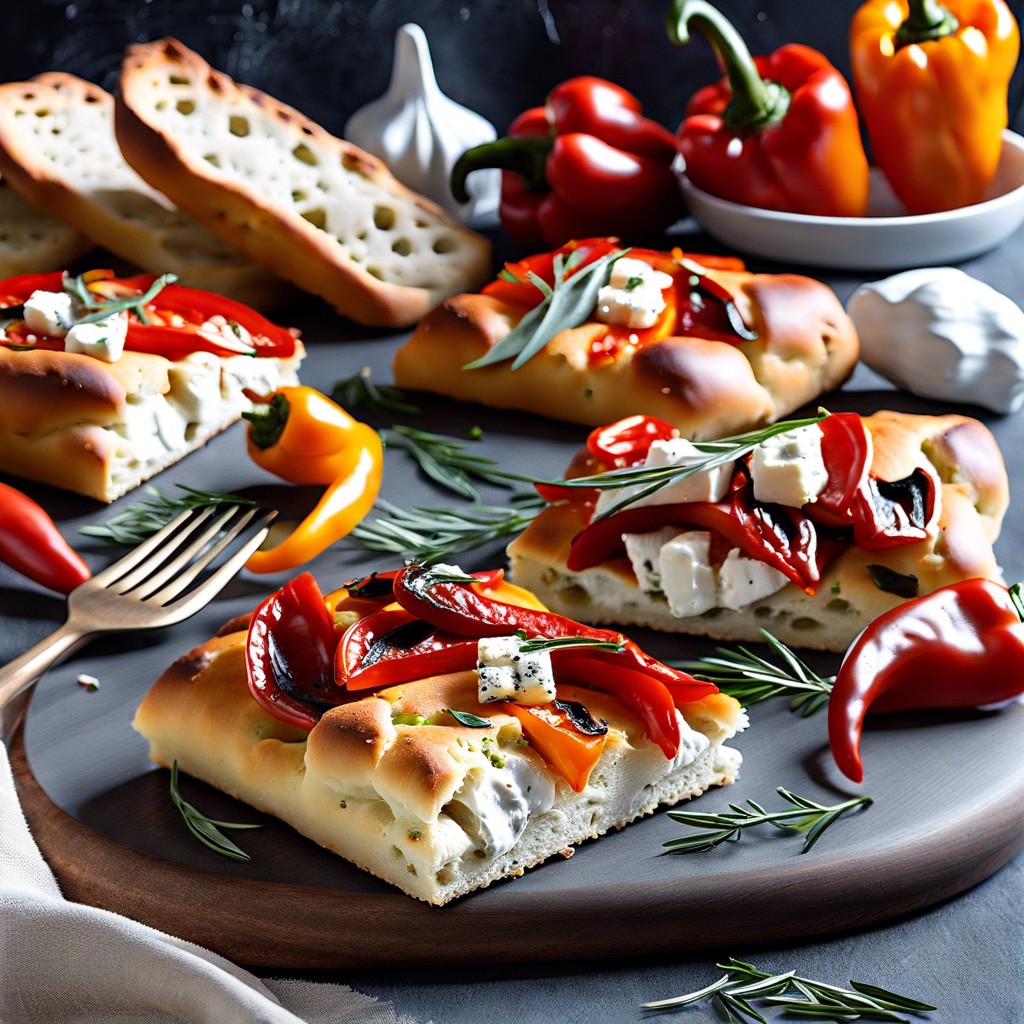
(887, 239)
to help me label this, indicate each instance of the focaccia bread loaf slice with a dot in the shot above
(57, 147)
(32, 241)
(313, 208)
(438, 810)
(703, 381)
(972, 495)
(101, 428)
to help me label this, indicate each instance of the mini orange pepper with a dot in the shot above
(300, 435)
(931, 81)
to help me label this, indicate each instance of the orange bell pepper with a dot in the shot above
(931, 82)
(572, 754)
(303, 437)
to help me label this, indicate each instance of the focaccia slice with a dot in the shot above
(314, 209)
(57, 147)
(437, 809)
(690, 368)
(972, 494)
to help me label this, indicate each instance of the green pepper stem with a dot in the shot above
(526, 155)
(267, 421)
(927, 20)
(1017, 600)
(755, 102)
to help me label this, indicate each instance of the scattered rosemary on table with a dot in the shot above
(567, 304)
(359, 390)
(136, 522)
(750, 678)
(429, 535)
(804, 816)
(732, 997)
(447, 461)
(205, 829)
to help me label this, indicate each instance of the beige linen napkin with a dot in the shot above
(65, 963)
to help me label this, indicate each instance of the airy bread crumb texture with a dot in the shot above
(33, 242)
(311, 206)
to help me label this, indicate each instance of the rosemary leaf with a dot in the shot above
(566, 305)
(207, 830)
(359, 390)
(429, 535)
(803, 816)
(751, 678)
(134, 523)
(470, 720)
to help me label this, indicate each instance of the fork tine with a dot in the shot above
(138, 555)
(180, 580)
(209, 588)
(151, 576)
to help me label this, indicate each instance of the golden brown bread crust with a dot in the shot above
(806, 345)
(100, 428)
(238, 207)
(58, 149)
(402, 801)
(959, 451)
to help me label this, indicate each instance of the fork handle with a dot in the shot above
(18, 675)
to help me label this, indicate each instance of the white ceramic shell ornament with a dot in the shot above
(420, 133)
(940, 333)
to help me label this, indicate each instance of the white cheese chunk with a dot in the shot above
(49, 313)
(788, 468)
(505, 673)
(741, 581)
(103, 340)
(707, 485)
(633, 296)
(687, 577)
(644, 553)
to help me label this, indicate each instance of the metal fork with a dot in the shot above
(151, 586)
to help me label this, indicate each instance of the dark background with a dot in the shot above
(329, 57)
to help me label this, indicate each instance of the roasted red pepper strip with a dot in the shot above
(31, 544)
(290, 654)
(962, 646)
(627, 441)
(586, 164)
(458, 608)
(778, 132)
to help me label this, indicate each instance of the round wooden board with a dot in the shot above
(938, 826)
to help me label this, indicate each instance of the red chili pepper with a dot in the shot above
(290, 654)
(31, 544)
(778, 132)
(588, 163)
(962, 646)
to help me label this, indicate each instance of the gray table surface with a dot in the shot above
(965, 955)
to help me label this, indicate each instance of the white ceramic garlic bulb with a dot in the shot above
(420, 133)
(940, 333)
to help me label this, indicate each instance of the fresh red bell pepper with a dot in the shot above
(31, 544)
(587, 163)
(778, 132)
(962, 646)
(290, 654)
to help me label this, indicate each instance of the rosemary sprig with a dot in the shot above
(104, 308)
(645, 480)
(750, 678)
(134, 523)
(360, 390)
(446, 460)
(732, 997)
(430, 535)
(556, 643)
(566, 305)
(205, 829)
(803, 816)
